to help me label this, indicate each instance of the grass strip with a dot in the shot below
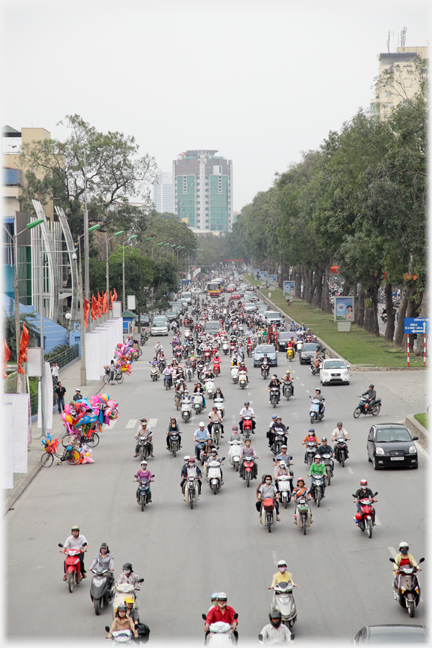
(423, 419)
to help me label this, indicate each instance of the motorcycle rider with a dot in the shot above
(144, 473)
(172, 428)
(362, 493)
(76, 541)
(277, 428)
(199, 389)
(338, 432)
(264, 362)
(200, 434)
(321, 401)
(274, 382)
(275, 632)
(131, 612)
(105, 560)
(298, 493)
(128, 576)
(288, 380)
(213, 599)
(213, 456)
(221, 612)
(242, 367)
(311, 436)
(317, 468)
(268, 490)
(215, 417)
(145, 432)
(168, 371)
(247, 411)
(402, 558)
(189, 465)
(249, 452)
(370, 395)
(282, 576)
(122, 622)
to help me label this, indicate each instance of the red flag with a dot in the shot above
(105, 303)
(25, 337)
(111, 300)
(115, 295)
(6, 356)
(100, 305)
(86, 312)
(94, 308)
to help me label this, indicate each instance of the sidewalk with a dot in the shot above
(70, 379)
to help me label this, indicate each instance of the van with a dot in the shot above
(272, 317)
(188, 296)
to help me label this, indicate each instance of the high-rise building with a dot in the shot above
(163, 192)
(203, 190)
(403, 85)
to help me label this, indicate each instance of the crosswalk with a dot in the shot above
(132, 424)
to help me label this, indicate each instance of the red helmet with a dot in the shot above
(363, 482)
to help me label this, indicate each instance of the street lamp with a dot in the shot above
(157, 245)
(107, 261)
(131, 238)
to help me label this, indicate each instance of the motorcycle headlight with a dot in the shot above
(293, 607)
(379, 451)
(412, 450)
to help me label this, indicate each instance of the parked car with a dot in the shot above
(309, 350)
(392, 633)
(334, 372)
(159, 327)
(391, 444)
(145, 320)
(260, 350)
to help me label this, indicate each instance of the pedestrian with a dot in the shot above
(111, 370)
(60, 392)
(55, 372)
(77, 396)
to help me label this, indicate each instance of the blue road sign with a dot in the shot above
(416, 325)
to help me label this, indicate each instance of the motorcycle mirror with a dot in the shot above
(141, 580)
(376, 493)
(236, 616)
(421, 560)
(223, 458)
(204, 616)
(392, 560)
(60, 545)
(106, 628)
(260, 637)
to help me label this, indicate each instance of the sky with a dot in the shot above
(260, 81)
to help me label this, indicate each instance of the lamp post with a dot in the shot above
(83, 374)
(131, 238)
(107, 263)
(157, 245)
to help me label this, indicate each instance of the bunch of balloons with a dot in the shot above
(49, 443)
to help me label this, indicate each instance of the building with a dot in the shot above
(163, 192)
(404, 83)
(203, 190)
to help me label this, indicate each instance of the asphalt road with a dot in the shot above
(184, 555)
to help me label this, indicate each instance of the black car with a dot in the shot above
(283, 339)
(391, 444)
(392, 633)
(308, 351)
(170, 315)
(145, 320)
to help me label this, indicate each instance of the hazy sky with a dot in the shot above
(259, 81)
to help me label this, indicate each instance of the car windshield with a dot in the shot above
(334, 364)
(157, 324)
(284, 336)
(265, 348)
(310, 346)
(397, 634)
(393, 435)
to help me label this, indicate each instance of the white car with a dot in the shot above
(159, 327)
(334, 371)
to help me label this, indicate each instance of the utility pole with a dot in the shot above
(86, 235)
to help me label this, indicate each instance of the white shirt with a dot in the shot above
(339, 433)
(247, 412)
(55, 371)
(75, 543)
(272, 635)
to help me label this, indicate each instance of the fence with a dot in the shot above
(63, 358)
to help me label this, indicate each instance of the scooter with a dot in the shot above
(143, 494)
(73, 567)
(314, 412)
(287, 390)
(167, 381)
(188, 373)
(210, 388)
(341, 450)
(121, 637)
(197, 402)
(122, 591)
(242, 379)
(218, 402)
(317, 488)
(315, 367)
(269, 513)
(311, 449)
(234, 453)
(216, 433)
(278, 441)
(214, 474)
(248, 470)
(154, 373)
(186, 410)
(174, 443)
(225, 347)
(191, 488)
(408, 587)
(265, 370)
(285, 487)
(328, 462)
(216, 368)
(364, 407)
(290, 354)
(101, 588)
(143, 447)
(220, 633)
(235, 375)
(283, 600)
(364, 519)
(247, 426)
(274, 396)
(303, 514)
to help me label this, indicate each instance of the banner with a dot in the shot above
(344, 309)
(272, 279)
(20, 407)
(249, 269)
(289, 288)
(263, 274)
(256, 273)
(48, 399)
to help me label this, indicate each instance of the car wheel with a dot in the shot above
(375, 464)
(415, 466)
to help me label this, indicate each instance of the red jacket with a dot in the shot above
(215, 615)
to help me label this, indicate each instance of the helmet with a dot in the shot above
(300, 479)
(75, 528)
(311, 430)
(363, 482)
(246, 403)
(172, 418)
(235, 428)
(185, 392)
(339, 424)
(274, 416)
(143, 462)
(191, 460)
(121, 608)
(283, 464)
(222, 596)
(214, 451)
(282, 563)
(186, 458)
(275, 614)
(263, 477)
(201, 424)
(284, 446)
(129, 599)
(104, 546)
(274, 375)
(288, 371)
(323, 439)
(127, 566)
(371, 386)
(214, 596)
(317, 456)
(403, 545)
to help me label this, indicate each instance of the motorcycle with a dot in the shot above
(174, 443)
(122, 591)
(408, 587)
(317, 488)
(225, 347)
(73, 567)
(210, 388)
(364, 407)
(144, 338)
(201, 454)
(143, 447)
(215, 433)
(283, 600)
(101, 588)
(249, 350)
(341, 451)
(287, 390)
(220, 633)
(185, 351)
(290, 354)
(168, 381)
(365, 517)
(186, 410)
(242, 379)
(315, 367)
(265, 370)
(214, 474)
(278, 441)
(191, 488)
(234, 453)
(207, 355)
(178, 397)
(247, 426)
(328, 462)
(197, 402)
(235, 375)
(311, 450)
(248, 469)
(143, 492)
(154, 373)
(314, 412)
(218, 402)
(269, 513)
(303, 514)
(216, 367)
(121, 636)
(189, 373)
(285, 487)
(162, 366)
(274, 396)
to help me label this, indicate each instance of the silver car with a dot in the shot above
(159, 327)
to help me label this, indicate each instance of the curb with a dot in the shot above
(417, 428)
(10, 500)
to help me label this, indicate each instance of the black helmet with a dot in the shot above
(104, 546)
(371, 386)
(121, 608)
(127, 566)
(275, 614)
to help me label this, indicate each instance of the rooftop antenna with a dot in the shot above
(403, 37)
(388, 41)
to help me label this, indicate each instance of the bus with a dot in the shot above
(215, 288)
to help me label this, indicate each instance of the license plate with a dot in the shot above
(397, 458)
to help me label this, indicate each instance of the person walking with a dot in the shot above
(55, 373)
(60, 392)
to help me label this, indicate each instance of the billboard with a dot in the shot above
(263, 274)
(289, 290)
(256, 273)
(272, 280)
(344, 309)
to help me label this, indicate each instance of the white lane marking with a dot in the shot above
(350, 470)
(249, 394)
(152, 423)
(111, 425)
(131, 423)
(392, 551)
(296, 416)
(421, 450)
(377, 522)
(275, 560)
(301, 383)
(307, 391)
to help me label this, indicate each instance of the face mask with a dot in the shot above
(282, 569)
(404, 551)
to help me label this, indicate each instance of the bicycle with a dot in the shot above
(78, 439)
(70, 455)
(118, 377)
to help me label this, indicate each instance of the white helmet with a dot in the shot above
(282, 464)
(403, 545)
